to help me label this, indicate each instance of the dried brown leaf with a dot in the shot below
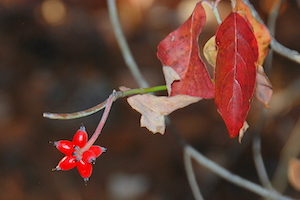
(264, 88)
(153, 109)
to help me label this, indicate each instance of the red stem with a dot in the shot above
(98, 130)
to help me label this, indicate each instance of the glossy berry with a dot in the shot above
(89, 157)
(97, 150)
(65, 146)
(85, 169)
(80, 137)
(76, 156)
(67, 163)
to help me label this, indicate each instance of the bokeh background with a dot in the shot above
(61, 56)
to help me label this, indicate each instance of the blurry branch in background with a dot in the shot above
(259, 163)
(285, 52)
(191, 176)
(271, 24)
(237, 180)
(131, 64)
(285, 99)
(290, 150)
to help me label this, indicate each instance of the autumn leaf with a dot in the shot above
(154, 109)
(180, 51)
(235, 71)
(264, 88)
(261, 32)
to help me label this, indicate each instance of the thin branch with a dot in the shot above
(256, 148)
(259, 163)
(102, 105)
(113, 13)
(237, 180)
(284, 51)
(76, 115)
(191, 176)
(273, 16)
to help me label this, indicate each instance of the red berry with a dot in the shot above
(85, 169)
(97, 150)
(66, 163)
(80, 137)
(89, 157)
(65, 146)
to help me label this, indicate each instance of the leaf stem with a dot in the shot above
(102, 105)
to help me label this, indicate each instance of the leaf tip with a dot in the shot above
(242, 131)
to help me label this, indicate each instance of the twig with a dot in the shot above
(256, 148)
(259, 163)
(237, 180)
(191, 176)
(271, 23)
(102, 105)
(273, 16)
(284, 51)
(124, 46)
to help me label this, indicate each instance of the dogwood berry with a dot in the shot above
(76, 156)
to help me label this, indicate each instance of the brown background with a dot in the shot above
(75, 63)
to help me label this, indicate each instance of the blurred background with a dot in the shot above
(61, 56)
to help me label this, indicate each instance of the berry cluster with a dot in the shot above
(76, 155)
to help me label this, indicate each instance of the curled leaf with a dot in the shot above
(180, 51)
(264, 88)
(210, 51)
(153, 109)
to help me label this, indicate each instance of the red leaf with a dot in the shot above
(180, 50)
(235, 72)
